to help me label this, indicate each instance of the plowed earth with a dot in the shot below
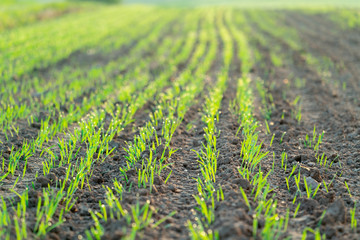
(324, 104)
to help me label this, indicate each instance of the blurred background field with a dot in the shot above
(15, 13)
(247, 3)
(239, 3)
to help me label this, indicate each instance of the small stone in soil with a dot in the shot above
(312, 183)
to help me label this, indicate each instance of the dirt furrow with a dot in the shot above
(231, 219)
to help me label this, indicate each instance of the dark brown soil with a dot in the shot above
(331, 109)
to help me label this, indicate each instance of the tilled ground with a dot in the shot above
(330, 108)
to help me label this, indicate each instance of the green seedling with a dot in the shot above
(284, 159)
(353, 218)
(272, 139)
(326, 187)
(206, 211)
(308, 189)
(344, 86)
(267, 127)
(297, 182)
(316, 190)
(296, 112)
(296, 210)
(287, 183)
(198, 231)
(321, 218)
(245, 198)
(282, 137)
(316, 233)
(293, 170)
(348, 189)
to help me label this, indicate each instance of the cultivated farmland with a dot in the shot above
(142, 122)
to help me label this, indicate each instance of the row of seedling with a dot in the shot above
(209, 193)
(274, 225)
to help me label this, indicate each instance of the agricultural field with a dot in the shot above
(149, 122)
